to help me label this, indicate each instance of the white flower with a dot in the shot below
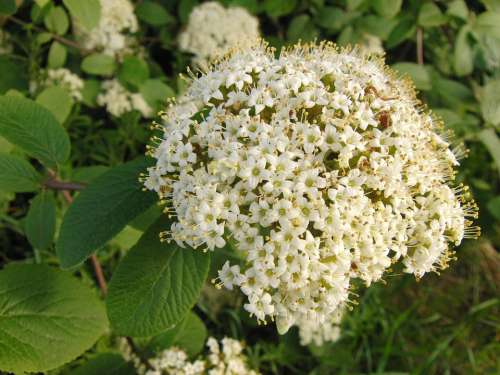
(112, 34)
(64, 78)
(322, 169)
(224, 358)
(118, 100)
(213, 30)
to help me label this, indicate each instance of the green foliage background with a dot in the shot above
(447, 324)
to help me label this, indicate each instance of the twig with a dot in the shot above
(63, 185)
(54, 183)
(420, 46)
(59, 38)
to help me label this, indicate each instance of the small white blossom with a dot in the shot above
(118, 100)
(224, 358)
(112, 35)
(213, 30)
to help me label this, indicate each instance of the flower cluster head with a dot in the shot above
(64, 78)
(213, 30)
(318, 166)
(224, 358)
(118, 100)
(112, 35)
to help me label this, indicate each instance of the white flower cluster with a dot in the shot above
(5, 44)
(112, 34)
(226, 358)
(213, 30)
(319, 166)
(118, 100)
(64, 78)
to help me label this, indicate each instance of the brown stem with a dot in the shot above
(59, 38)
(63, 185)
(420, 46)
(101, 280)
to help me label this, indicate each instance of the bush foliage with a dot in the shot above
(74, 217)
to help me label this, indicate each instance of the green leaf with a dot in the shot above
(492, 142)
(8, 7)
(487, 23)
(387, 8)
(106, 363)
(47, 318)
(376, 25)
(134, 71)
(185, 8)
(57, 55)
(57, 20)
(17, 77)
(57, 100)
(490, 99)
(494, 207)
(463, 56)
(17, 175)
(301, 27)
(417, 73)
(278, 8)
(87, 174)
(404, 29)
(99, 64)
(40, 224)
(153, 14)
(91, 89)
(430, 15)
(190, 335)
(331, 18)
(88, 12)
(155, 92)
(458, 8)
(155, 285)
(493, 5)
(34, 129)
(102, 210)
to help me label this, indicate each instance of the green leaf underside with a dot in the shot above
(47, 318)
(106, 363)
(155, 285)
(34, 129)
(17, 175)
(102, 210)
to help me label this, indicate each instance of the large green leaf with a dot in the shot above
(34, 129)
(106, 363)
(47, 318)
(40, 224)
(190, 335)
(17, 175)
(155, 285)
(87, 13)
(102, 210)
(463, 55)
(387, 8)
